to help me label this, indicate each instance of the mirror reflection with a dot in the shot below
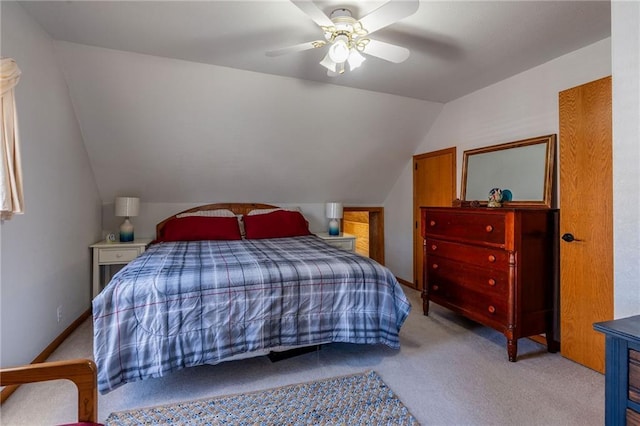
(523, 170)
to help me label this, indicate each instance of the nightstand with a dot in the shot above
(116, 253)
(342, 241)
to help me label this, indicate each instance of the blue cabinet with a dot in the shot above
(622, 377)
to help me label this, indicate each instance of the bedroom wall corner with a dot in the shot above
(45, 260)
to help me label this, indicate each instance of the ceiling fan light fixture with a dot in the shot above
(355, 59)
(339, 50)
(347, 38)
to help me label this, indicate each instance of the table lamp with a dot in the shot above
(127, 207)
(334, 214)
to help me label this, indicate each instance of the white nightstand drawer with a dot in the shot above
(119, 255)
(343, 244)
(342, 241)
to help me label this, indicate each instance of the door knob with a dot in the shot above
(569, 238)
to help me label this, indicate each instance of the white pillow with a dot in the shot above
(209, 213)
(265, 211)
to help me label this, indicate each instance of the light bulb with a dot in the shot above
(339, 50)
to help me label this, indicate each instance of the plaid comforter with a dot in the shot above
(183, 304)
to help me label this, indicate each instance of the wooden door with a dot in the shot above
(586, 214)
(434, 185)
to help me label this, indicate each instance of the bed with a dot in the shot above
(203, 296)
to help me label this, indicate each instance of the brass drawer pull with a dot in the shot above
(434, 247)
(435, 266)
(491, 309)
(492, 282)
(491, 258)
(432, 223)
(489, 228)
(435, 287)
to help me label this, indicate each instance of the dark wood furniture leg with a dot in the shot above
(425, 304)
(512, 349)
(552, 345)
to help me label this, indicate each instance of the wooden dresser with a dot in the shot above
(496, 266)
(622, 379)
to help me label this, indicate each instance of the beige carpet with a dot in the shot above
(450, 371)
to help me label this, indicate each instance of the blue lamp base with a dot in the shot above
(126, 231)
(334, 227)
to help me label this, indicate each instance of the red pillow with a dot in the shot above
(277, 224)
(192, 228)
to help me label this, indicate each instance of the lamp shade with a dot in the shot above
(334, 210)
(355, 59)
(127, 206)
(328, 63)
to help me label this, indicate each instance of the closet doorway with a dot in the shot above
(367, 224)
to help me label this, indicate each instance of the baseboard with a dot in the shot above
(541, 338)
(46, 353)
(407, 283)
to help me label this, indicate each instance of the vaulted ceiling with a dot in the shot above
(177, 101)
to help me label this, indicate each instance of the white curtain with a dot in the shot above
(11, 172)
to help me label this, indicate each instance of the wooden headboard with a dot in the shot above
(237, 208)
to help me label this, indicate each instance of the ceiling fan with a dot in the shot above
(348, 38)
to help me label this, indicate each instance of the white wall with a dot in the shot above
(45, 257)
(625, 40)
(398, 226)
(519, 107)
(173, 131)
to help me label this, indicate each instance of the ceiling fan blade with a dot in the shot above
(388, 13)
(314, 12)
(296, 48)
(388, 52)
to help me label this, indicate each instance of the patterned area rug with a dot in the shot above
(359, 399)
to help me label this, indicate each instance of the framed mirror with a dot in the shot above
(523, 170)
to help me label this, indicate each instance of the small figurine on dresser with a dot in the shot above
(495, 198)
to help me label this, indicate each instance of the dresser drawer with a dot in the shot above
(117, 255)
(473, 226)
(479, 256)
(634, 376)
(492, 282)
(478, 306)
